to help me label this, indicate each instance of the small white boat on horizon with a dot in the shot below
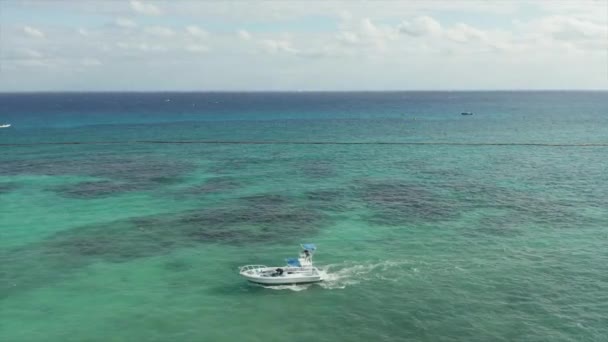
(5, 125)
(297, 271)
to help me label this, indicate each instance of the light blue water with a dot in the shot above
(496, 231)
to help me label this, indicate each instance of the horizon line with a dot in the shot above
(302, 91)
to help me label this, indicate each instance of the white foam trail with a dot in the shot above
(294, 287)
(339, 276)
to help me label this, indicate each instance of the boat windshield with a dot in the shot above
(293, 262)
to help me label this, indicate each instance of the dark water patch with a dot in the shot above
(330, 200)
(227, 164)
(523, 207)
(177, 266)
(252, 219)
(446, 173)
(117, 241)
(140, 173)
(540, 210)
(316, 169)
(263, 218)
(5, 188)
(429, 168)
(398, 203)
(95, 189)
(266, 201)
(470, 189)
(145, 170)
(304, 142)
(236, 164)
(325, 195)
(500, 226)
(216, 185)
(121, 168)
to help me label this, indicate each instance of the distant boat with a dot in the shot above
(5, 126)
(466, 113)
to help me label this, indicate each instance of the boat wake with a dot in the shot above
(339, 276)
(294, 287)
(342, 275)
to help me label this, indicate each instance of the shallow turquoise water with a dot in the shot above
(141, 241)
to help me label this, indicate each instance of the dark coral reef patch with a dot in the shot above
(5, 188)
(117, 174)
(94, 189)
(398, 203)
(267, 218)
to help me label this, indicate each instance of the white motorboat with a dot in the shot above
(297, 271)
(5, 126)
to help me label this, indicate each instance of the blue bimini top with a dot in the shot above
(293, 262)
(309, 246)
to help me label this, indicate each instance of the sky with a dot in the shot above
(205, 45)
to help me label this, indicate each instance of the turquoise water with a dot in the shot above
(495, 232)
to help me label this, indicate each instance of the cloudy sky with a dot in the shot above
(287, 45)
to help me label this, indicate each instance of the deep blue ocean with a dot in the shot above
(125, 216)
(504, 117)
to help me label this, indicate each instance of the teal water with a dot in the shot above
(495, 232)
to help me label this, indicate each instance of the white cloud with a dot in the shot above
(277, 46)
(284, 46)
(149, 47)
(379, 44)
(145, 8)
(137, 46)
(244, 35)
(22, 54)
(262, 10)
(197, 48)
(196, 31)
(572, 29)
(90, 62)
(33, 32)
(365, 32)
(125, 23)
(33, 63)
(563, 33)
(429, 27)
(159, 31)
(32, 54)
(594, 10)
(348, 37)
(369, 29)
(420, 26)
(463, 33)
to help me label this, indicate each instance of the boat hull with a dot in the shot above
(267, 276)
(283, 281)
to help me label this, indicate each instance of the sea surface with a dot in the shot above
(125, 216)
